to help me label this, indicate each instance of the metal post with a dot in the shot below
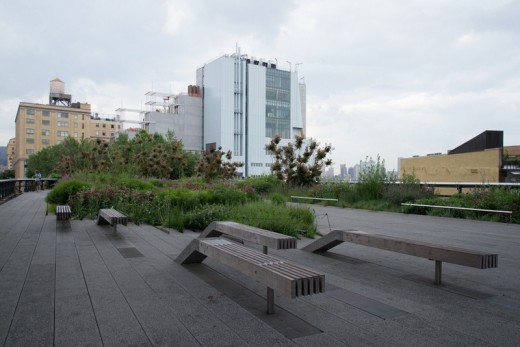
(264, 249)
(438, 272)
(270, 300)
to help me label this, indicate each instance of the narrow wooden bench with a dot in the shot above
(287, 278)
(509, 213)
(63, 212)
(438, 253)
(262, 237)
(112, 217)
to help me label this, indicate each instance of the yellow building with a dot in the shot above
(10, 153)
(39, 126)
(482, 159)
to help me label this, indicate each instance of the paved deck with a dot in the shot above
(80, 285)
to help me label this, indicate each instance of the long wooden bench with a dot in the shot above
(438, 253)
(287, 278)
(262, 237)
(63, 212)
(112, 217)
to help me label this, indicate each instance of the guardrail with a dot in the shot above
(11, 187)
(509, 213)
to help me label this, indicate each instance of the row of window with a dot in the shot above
(47, 113)
(65, 124)
(261, 164)
(60, 133)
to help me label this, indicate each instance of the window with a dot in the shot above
(63, 115)
(63, 124)
(104, 125)
(75, 125)
(29, 140)
(103, 134)
(46, 132)
(97, 125)
(29, 131)
(75, 116)
(46, 122)
(112, 126)
(29, 121)
(45, 141)
(76, 135)
(97, 132)
(278, 103)
(29, 151)
(58, 142)
(63, 133)
(30, 111)
(82, 125)
(46, 113)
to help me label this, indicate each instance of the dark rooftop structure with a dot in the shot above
(487, 140)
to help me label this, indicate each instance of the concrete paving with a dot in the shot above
(78, 284)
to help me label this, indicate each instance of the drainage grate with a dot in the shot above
(130, 252)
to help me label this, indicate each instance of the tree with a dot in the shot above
(212, 166)
(296, 164)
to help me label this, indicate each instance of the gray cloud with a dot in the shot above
(399, 79)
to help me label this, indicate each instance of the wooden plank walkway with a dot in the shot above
(78, 284)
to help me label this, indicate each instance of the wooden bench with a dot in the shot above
(63, 212)
(112, 217)
(287, 278)
(438, 253)
(262, 237)
(510, 213)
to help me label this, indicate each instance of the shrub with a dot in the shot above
(278, 199)
(287, 220)
(61, 192)
(262, 184)
(200, 218)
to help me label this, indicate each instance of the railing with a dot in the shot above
(12, 187)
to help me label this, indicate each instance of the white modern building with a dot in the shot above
(247, 101)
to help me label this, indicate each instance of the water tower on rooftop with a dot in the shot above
(57, 94)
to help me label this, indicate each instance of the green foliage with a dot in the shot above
(278, 198)
(371, 181)
(227, 195)
(298, 165)
(216, 164)
(200, 218)
(6, 174)
(147, 155)
(288, 220)
(61, 192)
(262, 184)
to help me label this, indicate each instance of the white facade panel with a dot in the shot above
(256, 120)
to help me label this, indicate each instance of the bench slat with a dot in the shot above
(248, 233)
(63, 212)
(288, 278)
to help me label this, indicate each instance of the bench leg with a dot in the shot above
(115, 228)
(264, 249)
(438, 272)
(270, 300)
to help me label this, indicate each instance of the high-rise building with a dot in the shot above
(247, 101)
(39, 126)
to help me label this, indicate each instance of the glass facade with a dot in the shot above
(278, 103)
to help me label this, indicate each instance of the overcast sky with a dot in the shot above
(394, 78)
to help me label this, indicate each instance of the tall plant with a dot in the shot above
(300, 163)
